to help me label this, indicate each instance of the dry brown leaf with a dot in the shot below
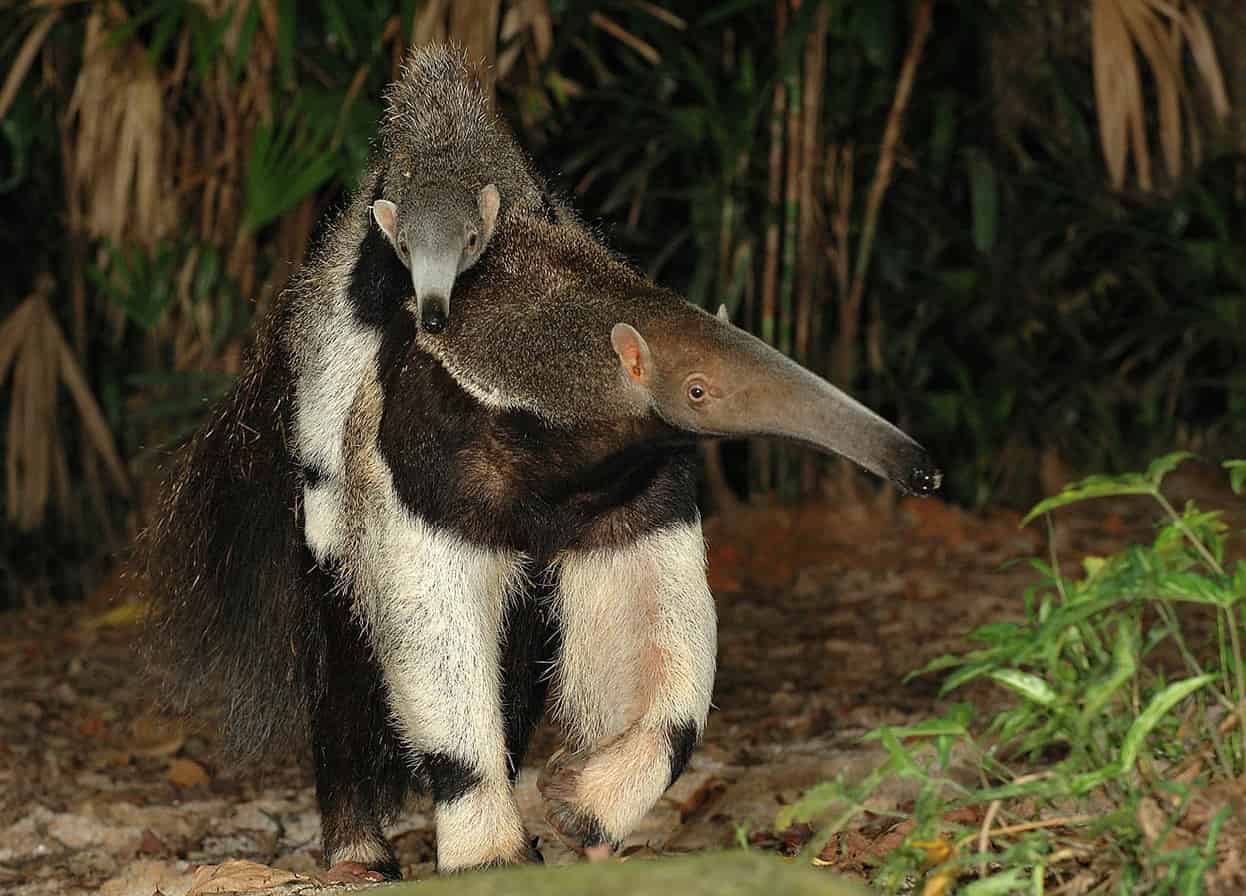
(154, 736)
(24, 59)
(239, 876)
(621, 34)
(186, 773)
(939, 884)
(1149, 34)
(1203, 49)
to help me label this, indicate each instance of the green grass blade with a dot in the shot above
(1155, 710)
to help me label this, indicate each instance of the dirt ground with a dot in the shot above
(823, 611)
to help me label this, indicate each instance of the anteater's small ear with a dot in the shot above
(723, 315)
(386, 215)
(633, 352)
(489, 201)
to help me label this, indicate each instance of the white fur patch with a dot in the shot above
(367, 851)
(320, 517)
(620, 610)
(434, 605)
(481, 827)
(326, 388)
(639, 638)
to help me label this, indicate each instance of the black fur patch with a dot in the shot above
(379, 282)
(448, 778)
(312, 475)
(362, 774)
(507, 479)
(529, 644)
(585, 831)
(683, 740)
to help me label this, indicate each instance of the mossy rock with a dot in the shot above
(737, 873)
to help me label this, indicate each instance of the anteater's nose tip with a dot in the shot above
(925, 480)
(433, 318)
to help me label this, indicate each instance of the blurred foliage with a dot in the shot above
(932, 221)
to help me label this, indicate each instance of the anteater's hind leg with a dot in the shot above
(362, 768)
(634, 679)
(435, 606)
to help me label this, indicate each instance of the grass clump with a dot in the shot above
(1112, 765)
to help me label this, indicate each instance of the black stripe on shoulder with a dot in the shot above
(379, 282)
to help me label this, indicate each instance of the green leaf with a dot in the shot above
(290, 159)
(1006, 882)
(1196, 588)
(984, 197)
(1083, 784)
(287, 18)
(1162, 466)
(246, 35)
(1093, 487)
(1237, 474)
(1031, 687)
(1124, 664)
(953, 723)
(902, 761)
(1155, 710)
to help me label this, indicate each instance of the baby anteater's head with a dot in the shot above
(439, 229)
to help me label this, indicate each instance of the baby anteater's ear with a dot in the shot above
(489, 201)
(386, 215)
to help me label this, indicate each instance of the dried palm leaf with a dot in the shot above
(117, 108)
(621, 34)
(25, 59)
(1160, 30)
(34, 350)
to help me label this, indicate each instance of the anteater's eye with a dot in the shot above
(402, 247)
(696, 392)
(473, 239)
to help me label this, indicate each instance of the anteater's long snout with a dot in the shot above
(715, 379)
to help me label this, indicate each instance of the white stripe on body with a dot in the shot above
(434, 606)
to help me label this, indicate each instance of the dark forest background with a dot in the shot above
(1016, 228)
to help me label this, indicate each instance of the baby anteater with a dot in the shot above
(451, 167)
(446, 174)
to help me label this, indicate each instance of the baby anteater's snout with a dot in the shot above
(433, 315)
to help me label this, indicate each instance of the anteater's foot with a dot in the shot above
(577, 828)
(358, 873)
(529, 856)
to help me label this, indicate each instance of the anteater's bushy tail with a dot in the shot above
(226, 566)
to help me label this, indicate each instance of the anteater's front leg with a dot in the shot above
(634, 680)
(435, 610)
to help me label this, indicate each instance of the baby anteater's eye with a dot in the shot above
(402, 247)
(696, 391)
(473, 240)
